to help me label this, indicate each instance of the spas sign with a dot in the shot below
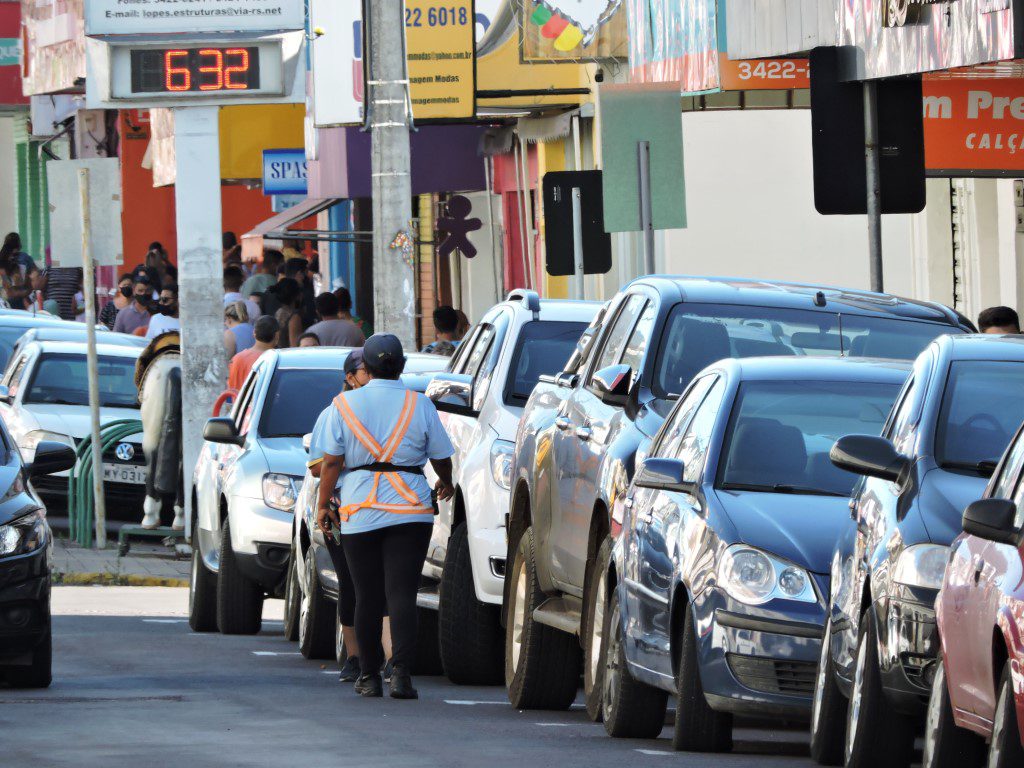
(284, 172)
(974, 127)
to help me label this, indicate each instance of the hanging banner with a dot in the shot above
(574, 30)
(148, 17)
(337, 62)
(441, 46)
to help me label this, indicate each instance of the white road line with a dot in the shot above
(276, 653)
(654, 752)
(469, 703)
(552, 725)
(164, 621)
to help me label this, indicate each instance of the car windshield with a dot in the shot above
(697, 335)
(981, 410)
(780, 434)
(541, 349)
(61, 379)
(295, 398)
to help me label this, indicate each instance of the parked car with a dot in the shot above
(580, 430)
(311, 589)
(954, 419)
(978, 689)
(25, 544)
(75, 332)
(715, 587)
(48, 399)
(14, 324)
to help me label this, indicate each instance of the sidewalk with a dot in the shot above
(150, 565)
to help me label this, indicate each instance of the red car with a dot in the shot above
(978, 690)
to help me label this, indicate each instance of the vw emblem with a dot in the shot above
(125, 451)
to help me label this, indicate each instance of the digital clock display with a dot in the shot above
(195, 70)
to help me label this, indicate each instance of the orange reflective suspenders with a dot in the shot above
(384, 456)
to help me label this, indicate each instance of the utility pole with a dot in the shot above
(388, 104)
(874, 203)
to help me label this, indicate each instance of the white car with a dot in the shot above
(484, 390)
(47, 398)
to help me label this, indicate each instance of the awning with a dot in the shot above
(276, 227)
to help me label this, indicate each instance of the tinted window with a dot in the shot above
(62, 380)
(697, 335)
(1003, 484)
(616, 339)
(636, 347)
(671, 436)
(981, 411)
(542, 348)
(294, 400)
(694, 447)
(781, 432)
(583, 346)
(8, 338)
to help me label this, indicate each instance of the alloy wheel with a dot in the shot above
(820, 679)
(856, 697)
(193, 580)
(597, 627)
(519, 616)
(611, 663)
(305, 601)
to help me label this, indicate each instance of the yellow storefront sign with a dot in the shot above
(441, 45)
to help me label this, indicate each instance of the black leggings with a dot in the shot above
(346, 592)
(385, 565)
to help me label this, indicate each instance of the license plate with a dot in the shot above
(124, 473)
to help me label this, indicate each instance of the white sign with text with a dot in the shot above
(134, 17)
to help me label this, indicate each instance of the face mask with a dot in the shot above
(126, 292)
(141, 298)
(165, 309)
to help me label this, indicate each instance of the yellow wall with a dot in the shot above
(245, 131)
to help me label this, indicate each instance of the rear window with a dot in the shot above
(543, 348)
(63, 380)
(295, 398)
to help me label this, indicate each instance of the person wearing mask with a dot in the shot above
(256, 286)
(309, 340)
(288, 296)
(166, 318)
(446, 338)
(136, 315)
(999, 320)
(122, 298)
(238, 331)
(333, 330)
(382, 435)
(265, 332)
(234, 277)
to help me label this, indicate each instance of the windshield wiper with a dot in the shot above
(984, 468)
(780, 488)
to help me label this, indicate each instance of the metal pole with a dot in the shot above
(871, 155)
(92, 364)
(643, 150)
(394, 280)
(497, 262)
(521, 215)
(578, 286)
(524, 158)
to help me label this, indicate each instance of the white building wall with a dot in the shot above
(8, 178)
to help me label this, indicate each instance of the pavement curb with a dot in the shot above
(114, 580)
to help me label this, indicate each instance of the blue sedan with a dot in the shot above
(717, 582)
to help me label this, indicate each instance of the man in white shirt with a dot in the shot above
(167, 319)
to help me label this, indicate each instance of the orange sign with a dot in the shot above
(763, 74)
(974, 125)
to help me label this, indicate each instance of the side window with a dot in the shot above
(481, 344)
(489, 361)
(616, 339)
(636, 346)
(694, 447)
(16, 375)
(1009, 472)
(899, 424)
(458, 361)
(242, 413)
(671, 437)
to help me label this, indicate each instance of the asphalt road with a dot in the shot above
(133, 686)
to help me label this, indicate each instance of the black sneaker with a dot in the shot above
(349, 670)
(386, 670)
(370, 686)
(401, 683)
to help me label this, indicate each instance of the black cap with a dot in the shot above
(383, 349)
(354, 361)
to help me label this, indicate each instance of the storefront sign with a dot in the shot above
(10, 51)
(284, 172)
(147, 17)
(763, 74)
(974, 127)
(441, 45)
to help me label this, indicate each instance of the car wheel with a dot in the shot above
(946, 745)
(876, 736)
(292, 598)
(202, 591)
(239, 600)
(595, 605)
(542, 665)
(472, 643)
(698, 727)
(39, 672)
(630, 709)
(828, 709)
(1005, 750)
(317, 617)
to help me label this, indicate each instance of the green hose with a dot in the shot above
(81, 502)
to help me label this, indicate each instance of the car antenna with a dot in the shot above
(842, 351)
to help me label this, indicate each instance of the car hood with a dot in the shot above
(74, 419)
(285, 455)
(800, 528)
(944, 496)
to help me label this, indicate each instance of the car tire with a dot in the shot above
(1005, 751)
(630, 709)
(698, 727)
(202, 591)
(292, 599)
(428, 647)
(38, 673)
(239, 600)
(876, 736)
(472, 642)
(317, 617)
(542, 664)
(828, 709)
(595, 605)
(946, 745)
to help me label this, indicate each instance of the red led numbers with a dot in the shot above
(241, 68)
(177, 78)
(216, 69)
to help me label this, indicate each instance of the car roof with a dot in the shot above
(78, 332)
(80, 348)
(804, 368)
(25, 320)
(334, 357)
(982, 346)
(731, 290)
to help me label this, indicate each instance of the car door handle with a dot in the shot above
(563, 422)
(584, 433)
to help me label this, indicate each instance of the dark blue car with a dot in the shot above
(719, 579)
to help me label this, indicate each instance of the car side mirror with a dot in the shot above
(992, 520)
(51, 457)
(612, 384)
(871, 456)
(662, 474)
(453, 393)
(307, 440)
(222, 429)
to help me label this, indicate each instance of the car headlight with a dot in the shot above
(280, 491)
(755, 577)
(921, 565)
(30, 440)
(24, 535)
(501, 462)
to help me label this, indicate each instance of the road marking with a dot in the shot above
(654, 752)
(276, 653)
(164, 621)
(469, 703)
(553, 725)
